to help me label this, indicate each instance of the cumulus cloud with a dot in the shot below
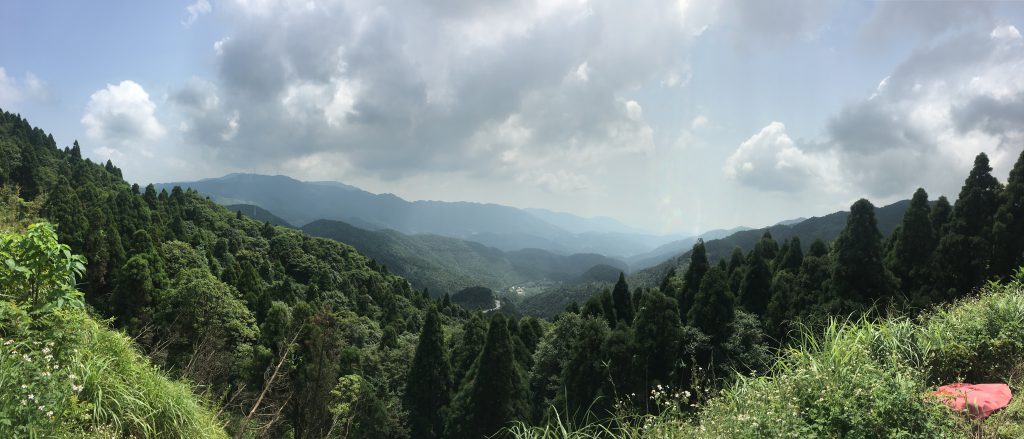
(771, 160)
(944, 104)
(121, 116)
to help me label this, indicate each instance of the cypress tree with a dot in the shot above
(911, 253)
(64, 208)
(713, 306)
(1008, 230)
(755, 289)
(818, 248)
(495, 391)
(427, 390)
(735, 260)
(859, 275)
(940, 214)
(694, 274)
(607, 306)
(793, 258)
(964, 252)
(657, 336)
(474, 330)
(622, 300)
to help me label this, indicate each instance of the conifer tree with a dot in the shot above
(940, 214)
(474, 331)
(755, 289)
(623, 301)
(584, 374)
(607, 306)
(910, 257)
(859, 275)
(964, 252)
(793, 258)
(657, 336)
(427, 390)
(65, 209)
(736, 260)
(818, 248)
(1008, 230)
(713, 306)
(692, 279)
(495, 391)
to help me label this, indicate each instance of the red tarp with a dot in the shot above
(978, 400)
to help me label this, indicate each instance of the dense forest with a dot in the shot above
(288, 335)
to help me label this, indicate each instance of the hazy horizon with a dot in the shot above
(673, 117)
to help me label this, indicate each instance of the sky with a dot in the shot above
(670, 116)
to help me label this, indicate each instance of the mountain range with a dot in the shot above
(503, 227)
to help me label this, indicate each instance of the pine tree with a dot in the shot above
(713, 306)
(1008, 230)
(692, 279)
(607, 307)
(910, 257)
(428, 388)
(859, 275)
(584, 374)
(495, 391)
(623, 301)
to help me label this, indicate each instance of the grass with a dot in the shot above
(67, 375)
(859, 379)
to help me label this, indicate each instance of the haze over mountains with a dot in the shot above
(503, 227)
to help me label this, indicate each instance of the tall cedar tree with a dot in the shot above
(428, 388)
(912, 248)
(713, 306)
(474, 333)
(755, 290)
(793, 258)
(584, 375)
(1008, 230)
(657, 337)
(940, 214)
(859, 276)
(964, 253)
(495, 392)
(623, 302)
(691, 280)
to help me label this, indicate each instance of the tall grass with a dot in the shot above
(861, 379)
(90, 382)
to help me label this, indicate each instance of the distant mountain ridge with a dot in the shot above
(826, 228)
(506, 228)
(443, 264)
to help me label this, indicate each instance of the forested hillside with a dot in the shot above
(446, 265)
(289, 335)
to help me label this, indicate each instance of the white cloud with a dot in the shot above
(122, 116)
(699, 122)
(195, 10)
(13, 91)
(583, 72)
(771, 160)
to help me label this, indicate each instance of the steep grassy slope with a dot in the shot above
(62, 373)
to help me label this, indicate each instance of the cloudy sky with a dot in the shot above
(673, 116)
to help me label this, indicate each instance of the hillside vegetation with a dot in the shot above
(855, 379)
(64, 374)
